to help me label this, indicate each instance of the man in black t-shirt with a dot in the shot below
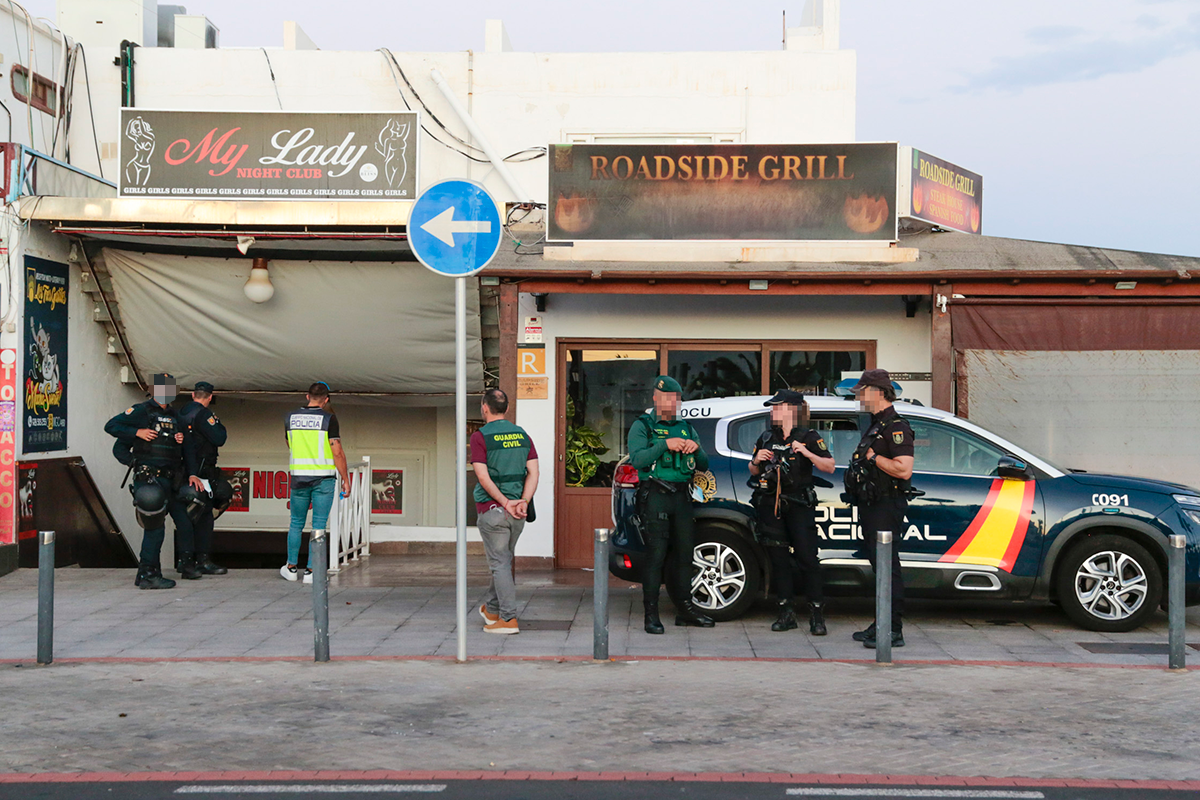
(785, 500)
(884, 458)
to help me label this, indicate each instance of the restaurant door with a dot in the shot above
(605, 385)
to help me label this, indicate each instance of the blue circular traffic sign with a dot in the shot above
(454, 228)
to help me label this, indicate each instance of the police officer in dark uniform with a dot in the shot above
(207, 435)
(785, 501)
(878, 482)
(666, 452)
(150, 441)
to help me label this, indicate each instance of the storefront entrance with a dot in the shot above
(606, 385)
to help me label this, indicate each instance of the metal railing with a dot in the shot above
(350, 519)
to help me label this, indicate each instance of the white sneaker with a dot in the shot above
(308, 576)
(288, 573)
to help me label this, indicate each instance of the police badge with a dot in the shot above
(898, 437)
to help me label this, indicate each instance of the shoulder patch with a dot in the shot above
(212, 420)
(898, 437)
(129, 410)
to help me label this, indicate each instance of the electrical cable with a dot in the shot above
(386, 55)
(271, 70)
(91, 109)
(428, 111)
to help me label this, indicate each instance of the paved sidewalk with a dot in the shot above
(647, 716)
(254, 613)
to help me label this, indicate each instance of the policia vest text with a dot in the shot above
(308, 441)
(507, 447)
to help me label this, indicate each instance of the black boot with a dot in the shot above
(149, 576)
(787, 618)
(690, 615)
(187, 568)
(897, 639)
(207, 566)
(866, 633)
(816, 619)
(653, 623)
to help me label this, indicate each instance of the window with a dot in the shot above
(942, 448)
(841, 435)
(716, 373)
(813, 371)
(44, 96)
(607, 389)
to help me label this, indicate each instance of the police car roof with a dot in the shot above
(724, 406)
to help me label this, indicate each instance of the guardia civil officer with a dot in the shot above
(151, 443)
(785, 501)
(878, 481)
(207, 435)
(666, 452)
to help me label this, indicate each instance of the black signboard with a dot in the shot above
(824, 192)
(269, 155)
(46, 291)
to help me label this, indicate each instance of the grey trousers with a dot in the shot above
(500, 532)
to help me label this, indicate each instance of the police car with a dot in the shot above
(992, 521)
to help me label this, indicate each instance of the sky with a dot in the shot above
(1081, 115)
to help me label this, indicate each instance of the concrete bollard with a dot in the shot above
(600, 597)
(883, 597)
(1176, 575)
(45, 628)
(318, 558)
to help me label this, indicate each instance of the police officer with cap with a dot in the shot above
(207, 435)
(878, 482)
(150, 441)
(666, 452)
(785, 500)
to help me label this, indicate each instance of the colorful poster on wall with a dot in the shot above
(825, 192)
(387, 491)
(8, 445)
(269, 155)
(943, 194)
(239, 479)
(27, 494)
(46, 290)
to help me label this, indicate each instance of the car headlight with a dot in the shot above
(1193, 514)
(1187, 500)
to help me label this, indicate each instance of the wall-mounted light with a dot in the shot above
(539, 301)
(259, 287)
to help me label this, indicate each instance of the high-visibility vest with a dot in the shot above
(308, 440)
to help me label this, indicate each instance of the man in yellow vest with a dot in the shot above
(317, 458)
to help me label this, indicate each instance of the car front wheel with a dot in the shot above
(726, 575)
(1109, 583)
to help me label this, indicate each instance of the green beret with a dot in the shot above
(665, 383)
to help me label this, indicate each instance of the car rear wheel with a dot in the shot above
(726, 575)
(1109, 583)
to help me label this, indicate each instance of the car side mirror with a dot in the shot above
(1011, 468)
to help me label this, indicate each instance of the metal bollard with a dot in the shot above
(1175, 601)
(45, 642)
(883, 597)
(318, 557)
(600, 597)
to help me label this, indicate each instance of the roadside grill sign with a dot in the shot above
(268, 155)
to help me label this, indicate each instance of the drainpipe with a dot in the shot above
(514, 185)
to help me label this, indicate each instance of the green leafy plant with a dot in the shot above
(584, 448)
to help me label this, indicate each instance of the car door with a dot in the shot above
(967, 515)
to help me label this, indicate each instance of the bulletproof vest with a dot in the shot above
(670, 466)
(507, 448)
(206, 452)
(793, 469)
(164, 451)
(884, 485)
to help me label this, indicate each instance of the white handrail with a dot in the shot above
(350, 533)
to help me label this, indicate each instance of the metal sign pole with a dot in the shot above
(460, 459)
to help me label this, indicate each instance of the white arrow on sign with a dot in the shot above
(444, 226)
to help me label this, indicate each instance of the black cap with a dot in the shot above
(163, 378)
(204, 386)
(789, 396)
(878, 378)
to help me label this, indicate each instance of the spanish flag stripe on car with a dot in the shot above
(995, 536)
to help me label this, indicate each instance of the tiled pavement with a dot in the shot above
(254, 613)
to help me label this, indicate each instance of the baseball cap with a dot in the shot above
(204, 386)
(163, 378)
(878, 378)
(665, 383)
(789, 396)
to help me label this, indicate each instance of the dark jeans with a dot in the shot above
(203, 528)
(669, 525)
(152, 538)
(887, 515)
(802, 562)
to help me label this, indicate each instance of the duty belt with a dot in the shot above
(152, 471)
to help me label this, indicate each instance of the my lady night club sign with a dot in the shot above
(46, 290)
(269, 155)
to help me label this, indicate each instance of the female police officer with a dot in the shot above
(784, 497)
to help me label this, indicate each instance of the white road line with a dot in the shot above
(988, 794)
(312, 788)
